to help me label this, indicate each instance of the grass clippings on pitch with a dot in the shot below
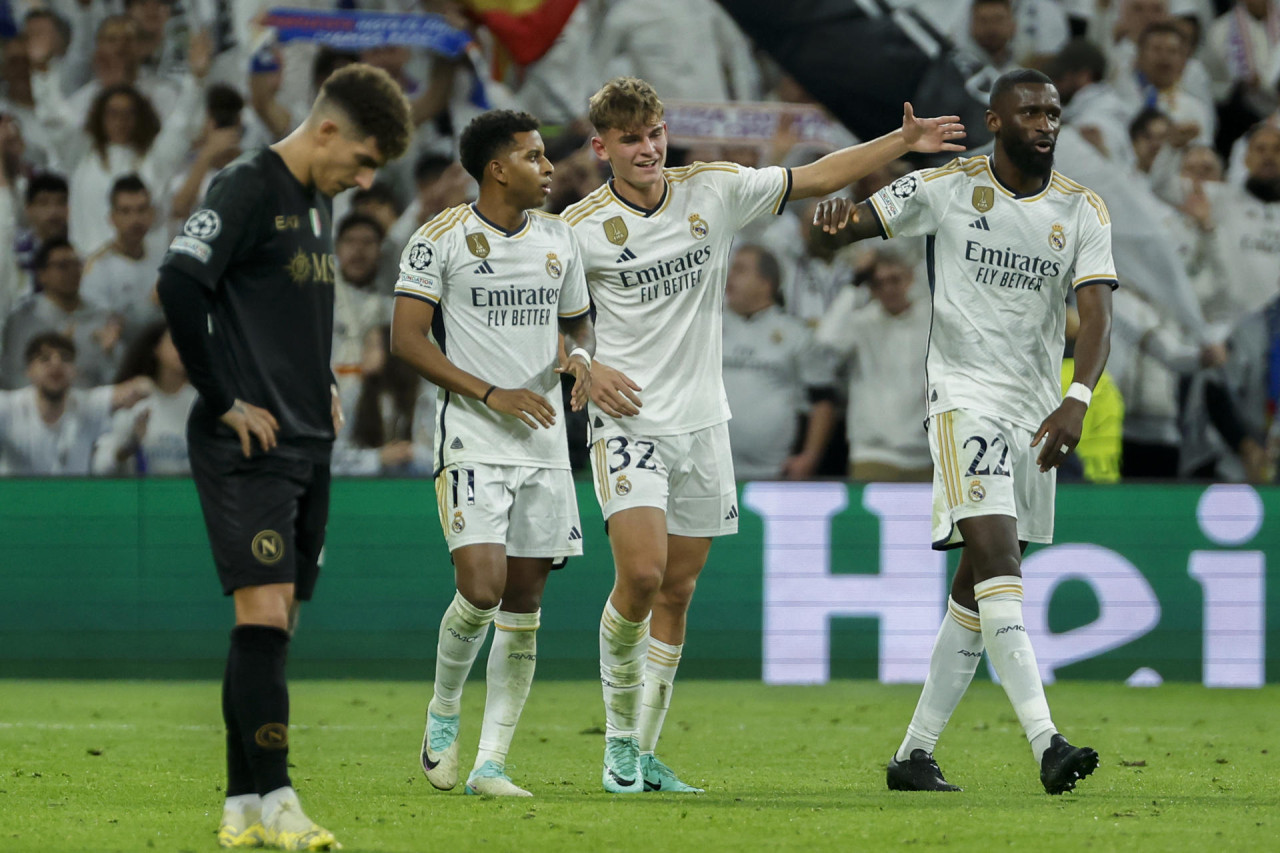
(137, 766)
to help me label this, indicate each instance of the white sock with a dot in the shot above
(956, 653)
(249, 805)
(622, 654)
(659, 676)
(512, 659)
(462, 633)
(272, 801)
(1000, 603)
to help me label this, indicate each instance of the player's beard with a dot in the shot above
(1264, 189)
(1026, 159)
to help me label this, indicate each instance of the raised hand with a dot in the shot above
(931, 135)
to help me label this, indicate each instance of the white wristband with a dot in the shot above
(579, 351)
(1080, 391)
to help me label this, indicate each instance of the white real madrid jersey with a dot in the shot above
(1000, 266)
(500, 296)
(657, 279)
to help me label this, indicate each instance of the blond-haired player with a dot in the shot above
(655, 244)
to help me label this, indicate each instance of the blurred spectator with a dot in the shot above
(1240, 53)
(883, 345)
(1242, 226)
(772, 374)
(390, 416)
(121, 276)
(1089, 104)
(1156, 79)
(358, 305)
(1148, 133)
(1120, 41)
(47, 213)
(990, 38)
(686, 46)
(16, 101)
(159, 55)
(150, 437)
(1098, 452)
(49, 428)
(58, 307)
(1151, 361)
(266, 77)
(218, 145)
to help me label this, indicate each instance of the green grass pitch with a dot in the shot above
(137, 766)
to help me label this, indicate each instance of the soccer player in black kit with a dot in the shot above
(248, 291)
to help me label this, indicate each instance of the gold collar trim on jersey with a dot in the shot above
(498, 229)
(637, 209)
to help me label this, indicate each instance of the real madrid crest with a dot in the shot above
(623, 486)
(698, 227)
(478, 244)
(616, 230)
(553, 266)
(984, 198)
(459, 524)
(976, 492)
(1057, 237)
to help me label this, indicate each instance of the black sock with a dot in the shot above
(260, 699)
(239, 773)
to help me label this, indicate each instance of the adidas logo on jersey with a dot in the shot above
(457, 444)
(484, 269)
(980, 223)
(733, 513)
(574, 534)
(627, 255)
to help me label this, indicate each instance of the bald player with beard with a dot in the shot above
(1008, 239)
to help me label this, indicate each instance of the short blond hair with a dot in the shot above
(624, 103)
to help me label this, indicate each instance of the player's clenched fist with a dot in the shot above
(524, 404)
(614, 392)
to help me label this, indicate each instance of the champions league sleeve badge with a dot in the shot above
(905, 187)
(420, 256)
(204, 224)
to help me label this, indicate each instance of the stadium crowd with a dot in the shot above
(115, 115)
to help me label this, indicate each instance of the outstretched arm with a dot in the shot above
(841, 168)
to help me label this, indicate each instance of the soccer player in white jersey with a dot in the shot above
(1008, 238)
(655, 244)
(497, 278)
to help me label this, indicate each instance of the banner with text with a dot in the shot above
(825, 580)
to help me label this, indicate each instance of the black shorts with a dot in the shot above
(266, 515)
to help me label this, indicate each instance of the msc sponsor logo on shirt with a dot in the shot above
(311, 268)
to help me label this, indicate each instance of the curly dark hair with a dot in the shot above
(140, 358)
(402, 383)
(488, 135)
(146, 122)
(374, 104)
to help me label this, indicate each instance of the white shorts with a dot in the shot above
(987, 466)
(533, 512)
(688, 476)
